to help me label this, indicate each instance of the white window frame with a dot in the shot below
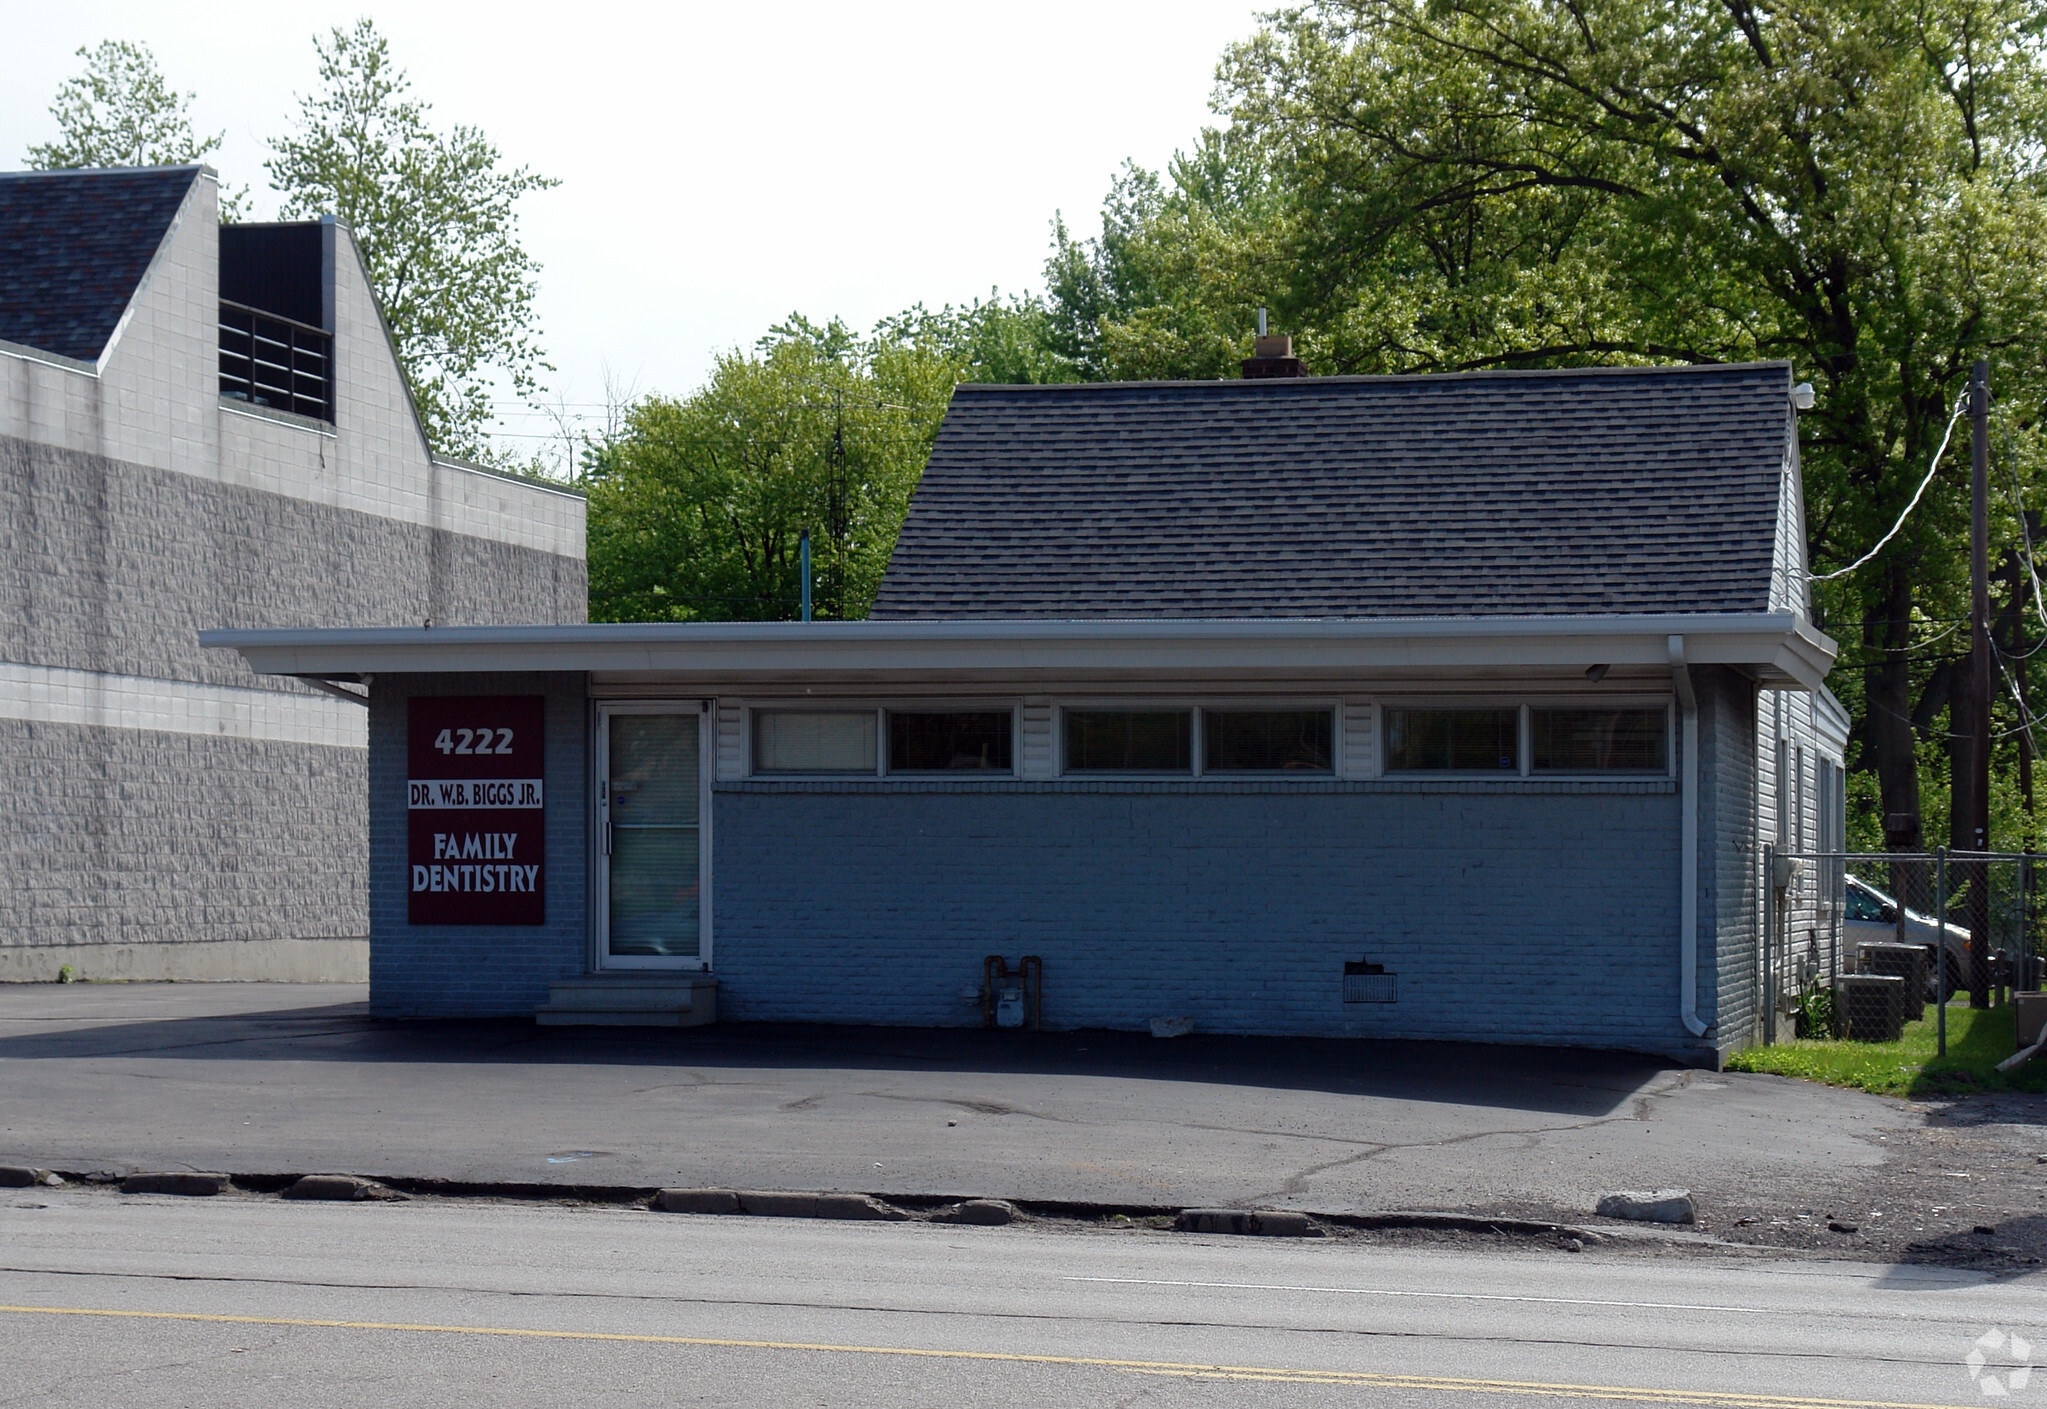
(1374, 706)
(1615, 775)
(1387, 704)
(1199, 706)
(1525, 707)
(753, 768)
(880, 709)
(1329, 705)
(601, 960)
(884, 764)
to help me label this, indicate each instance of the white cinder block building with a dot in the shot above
(202, 424)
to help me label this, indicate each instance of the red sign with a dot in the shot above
(475, 808)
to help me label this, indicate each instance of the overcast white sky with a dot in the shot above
(721, 164)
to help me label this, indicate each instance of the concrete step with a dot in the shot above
(651, 996)
(651, 978)
(549, 1016)
(631, 1000)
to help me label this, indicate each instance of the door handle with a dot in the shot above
(607, 838)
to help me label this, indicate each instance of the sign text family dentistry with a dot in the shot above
(475, 810)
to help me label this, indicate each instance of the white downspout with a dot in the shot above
(1688, 843)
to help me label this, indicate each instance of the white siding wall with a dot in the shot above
(1040, 751)
(1789, 589)
(1801, 740)
(1800, 808)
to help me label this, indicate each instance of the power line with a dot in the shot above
(1961, 402)
(1890, 652)
(2018, 501)
(2025, 724)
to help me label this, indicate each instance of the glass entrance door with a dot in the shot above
(651, 804)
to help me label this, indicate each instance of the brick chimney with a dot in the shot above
(1273, 356)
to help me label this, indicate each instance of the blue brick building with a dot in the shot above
(1436, 707)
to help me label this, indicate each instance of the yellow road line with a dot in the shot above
(1713, 1399)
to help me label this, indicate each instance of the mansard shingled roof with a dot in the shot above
(73, 247)
(1603, 490)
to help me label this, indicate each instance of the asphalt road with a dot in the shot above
(149, 1301)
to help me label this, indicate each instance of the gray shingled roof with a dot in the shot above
(73, 246)
(1608, 490)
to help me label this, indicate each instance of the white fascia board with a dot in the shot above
(1778, 647)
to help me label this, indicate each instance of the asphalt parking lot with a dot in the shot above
(272, 1078)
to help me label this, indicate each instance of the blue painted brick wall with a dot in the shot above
(476, 970)
(1529, 916)
(1510, 913)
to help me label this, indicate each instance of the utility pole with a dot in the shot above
(803, 567)
(2022, 692)
(1977, 818)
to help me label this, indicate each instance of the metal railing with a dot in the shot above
(1979, 917)
(266, 360)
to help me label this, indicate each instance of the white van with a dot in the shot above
(1871, 917)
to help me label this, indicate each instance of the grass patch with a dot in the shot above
(1977, 1040)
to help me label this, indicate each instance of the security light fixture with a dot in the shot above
(1803, 396)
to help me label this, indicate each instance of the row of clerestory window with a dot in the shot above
(1191, 741)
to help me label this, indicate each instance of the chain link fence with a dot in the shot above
(1855, 944)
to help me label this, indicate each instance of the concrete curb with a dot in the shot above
(1248, 1223)
(782, 1203)
(340, 1188)
(1458, 1223)
(196, 1186)
(775, 1203)
(696, 1201)
(979, 1213)
(18, 1176)
(1653, 1206)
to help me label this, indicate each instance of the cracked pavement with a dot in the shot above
(271, 1078)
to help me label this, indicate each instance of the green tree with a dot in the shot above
(1854, 185)
(697, 507)
(435, 214)
(1001, 340)
(1171, 285)
(121, 112)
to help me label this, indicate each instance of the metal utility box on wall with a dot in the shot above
(1012, 997)
(1369, 983)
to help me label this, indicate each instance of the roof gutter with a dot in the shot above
(1687, 842)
